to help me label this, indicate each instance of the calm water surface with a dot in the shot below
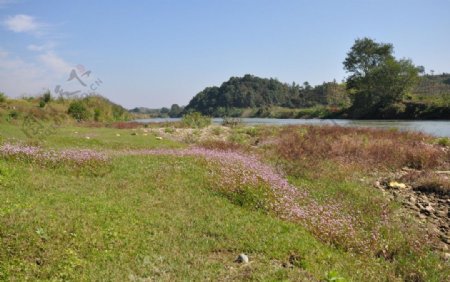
(436, 128)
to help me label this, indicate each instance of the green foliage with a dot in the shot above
(2, 97)
(14, 114)
(445, 141)
(41, 103)
(97, 114)
(78, 111)
(377, 80)
(333, 276)
(196, 120)
(47, 97)
(175, 111)
(253, 92)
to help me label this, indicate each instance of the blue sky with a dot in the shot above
(156, 53)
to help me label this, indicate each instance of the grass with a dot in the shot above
(170, 218)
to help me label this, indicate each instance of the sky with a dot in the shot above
(156, 53)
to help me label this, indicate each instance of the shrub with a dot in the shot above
(41, 103)
(97, 114)
(78, 111)
(231, 122)
(445, 141)
(47, 97)
(196, 120)
(13, 115)
(2, 97)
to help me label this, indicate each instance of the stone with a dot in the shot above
(377, 184)
(397, 185)
(422, 216)
(447, 256)
(242, 258)
(159, 138)
(428, 210)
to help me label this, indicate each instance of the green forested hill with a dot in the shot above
(260, 94)
(254, 92)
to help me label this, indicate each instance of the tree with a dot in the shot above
(175, 111)
(377, 80)
(78, 111)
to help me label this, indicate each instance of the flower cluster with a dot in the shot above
(329, 221)
(33, 153)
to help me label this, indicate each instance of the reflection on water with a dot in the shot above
(436, 128)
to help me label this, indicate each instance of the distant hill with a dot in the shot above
(254, 92)
(45, 107)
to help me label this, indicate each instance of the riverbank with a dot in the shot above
(169, 203)
(436, 128)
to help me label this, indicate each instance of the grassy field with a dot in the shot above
(170, 216)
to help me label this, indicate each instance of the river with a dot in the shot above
(439, 128)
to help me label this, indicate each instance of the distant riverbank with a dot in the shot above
(439, 128)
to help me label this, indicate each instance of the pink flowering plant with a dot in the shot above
(75, 158)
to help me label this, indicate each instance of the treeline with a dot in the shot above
(174, 111)
(254, 92)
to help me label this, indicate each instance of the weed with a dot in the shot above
(196, 120)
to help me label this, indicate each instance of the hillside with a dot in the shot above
(46, 108)
(253, 92)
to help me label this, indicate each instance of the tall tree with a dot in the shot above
(377, 80)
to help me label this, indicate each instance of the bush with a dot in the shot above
(41, 103)
(231, 122)
(2, 97)
(47, 97)
(445, 141)
(78, 111)
(196, 120)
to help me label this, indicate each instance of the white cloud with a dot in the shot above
(19, 77)
(3, 54)
(22, 23)
(54, 63)
(44, 47)
(4, 3)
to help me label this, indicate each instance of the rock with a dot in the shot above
(447, 256)
(377, 184)
(397, 185)
(242, 258)
(445, 239)
(412, 199)
(427, 210)
(159, 138)
(442, 214)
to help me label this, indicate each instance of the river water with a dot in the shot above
(434, 127)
